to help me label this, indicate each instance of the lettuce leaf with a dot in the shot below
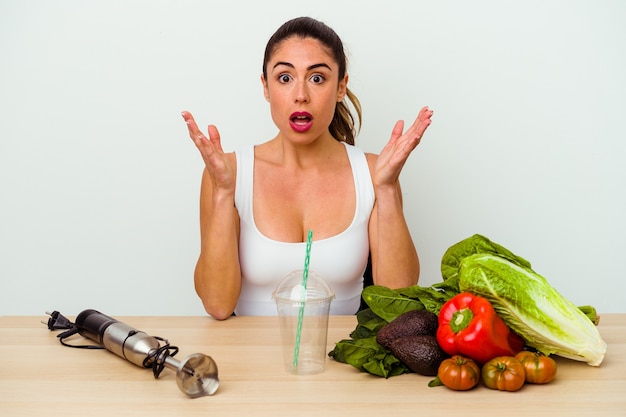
(454, 255)
(532, 308)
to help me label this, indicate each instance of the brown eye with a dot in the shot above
(317, 79)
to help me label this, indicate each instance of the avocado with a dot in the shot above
(411, 323)
(421, 353)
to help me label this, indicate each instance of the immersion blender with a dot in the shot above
(196, 375)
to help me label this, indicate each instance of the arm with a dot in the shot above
(395, 262)
(217, 275)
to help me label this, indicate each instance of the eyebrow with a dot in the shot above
(309, 68)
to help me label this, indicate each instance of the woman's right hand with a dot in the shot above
(217, 164)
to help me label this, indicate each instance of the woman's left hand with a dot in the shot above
(400, 145)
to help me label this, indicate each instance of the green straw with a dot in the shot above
(305, 277)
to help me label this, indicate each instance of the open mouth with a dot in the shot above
(301, 121)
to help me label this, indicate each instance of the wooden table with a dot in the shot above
(40, 377)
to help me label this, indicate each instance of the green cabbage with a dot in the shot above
(530, 306)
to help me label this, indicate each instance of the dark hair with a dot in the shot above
(342, 126)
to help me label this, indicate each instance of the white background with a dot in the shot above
(99, 181)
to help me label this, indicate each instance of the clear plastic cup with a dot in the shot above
(303, 320)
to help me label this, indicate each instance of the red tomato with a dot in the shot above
(540, 369)
(504, 373)
(459, 373)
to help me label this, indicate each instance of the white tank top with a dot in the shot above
(340, 260)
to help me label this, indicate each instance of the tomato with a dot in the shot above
(540, 369)
(504, 373)
(459, 373)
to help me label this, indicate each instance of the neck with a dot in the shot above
(301, 155)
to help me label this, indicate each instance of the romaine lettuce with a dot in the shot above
(532, 308)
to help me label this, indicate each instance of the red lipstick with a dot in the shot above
(301, 121)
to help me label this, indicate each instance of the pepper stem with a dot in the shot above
(461, 319)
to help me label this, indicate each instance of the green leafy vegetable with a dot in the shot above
(362, 350)
(478, 244)
(387, 303)
(533, 308)
(591, 314)
(368, 356)
(430, 298)
(452, 258)
(522, 298)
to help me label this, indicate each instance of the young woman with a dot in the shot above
(258, 204)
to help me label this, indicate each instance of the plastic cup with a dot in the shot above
(303, 321)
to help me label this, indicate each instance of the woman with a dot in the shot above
(258, 204)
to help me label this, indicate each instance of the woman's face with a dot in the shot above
(303, 88)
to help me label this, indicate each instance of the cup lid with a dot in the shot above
(290, 289)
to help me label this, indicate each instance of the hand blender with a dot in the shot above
(196, 375)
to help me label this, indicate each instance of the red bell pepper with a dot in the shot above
(469, 326)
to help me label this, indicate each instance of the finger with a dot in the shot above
(194, 132)
(188, 118)
(396, 132)
(421, 123)
(425, 112)
(425, 115)
(214, 136)
(191, 124)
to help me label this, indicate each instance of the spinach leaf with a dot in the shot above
(450, 286)
(368, 356)
(431, 298)
(387, 303)
(368, 324)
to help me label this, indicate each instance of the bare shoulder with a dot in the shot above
(267, 151)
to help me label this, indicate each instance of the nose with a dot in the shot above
(302, 95)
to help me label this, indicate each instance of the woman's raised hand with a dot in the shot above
(400, 145)
(217, 165)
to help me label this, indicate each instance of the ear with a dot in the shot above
(266, 91)
(343, 88)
